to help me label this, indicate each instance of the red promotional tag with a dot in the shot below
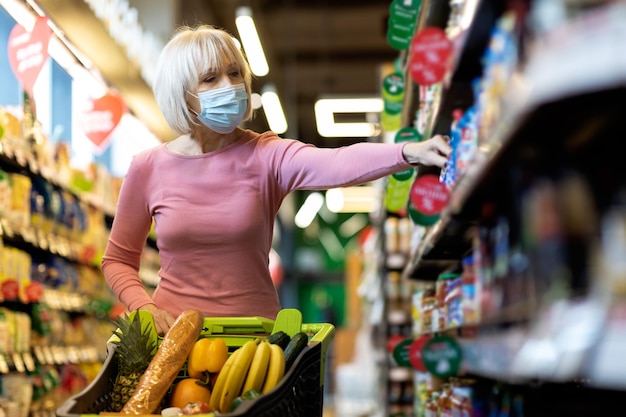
(10, 289)
(424, 74)
(34, 291)
(431, 46)
(430, 52)
(28, 52)
(415, 353)
(101, 117)
(428, 195)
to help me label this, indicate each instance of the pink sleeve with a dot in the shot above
(131, 225)
(304, 166)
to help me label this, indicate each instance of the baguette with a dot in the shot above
(166, 364)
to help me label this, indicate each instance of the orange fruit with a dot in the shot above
(189, 390)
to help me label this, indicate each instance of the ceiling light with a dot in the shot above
(325, 110)
(360, 199)
(251, 42)
(273, 110)
(308, 211)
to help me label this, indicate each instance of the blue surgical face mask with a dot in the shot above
(223, 109)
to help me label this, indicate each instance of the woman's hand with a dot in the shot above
(433, 152)
(163, 320)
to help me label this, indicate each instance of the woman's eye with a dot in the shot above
(208, 79)
(235, 74)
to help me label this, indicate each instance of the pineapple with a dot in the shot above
(134, 351)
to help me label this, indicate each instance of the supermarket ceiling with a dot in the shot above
(315, 49)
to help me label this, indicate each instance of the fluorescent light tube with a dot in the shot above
(312, 205)
(273, 110)
(359, 199)
(325, 110)
(251, 42)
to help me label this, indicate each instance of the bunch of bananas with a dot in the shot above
(256, 365)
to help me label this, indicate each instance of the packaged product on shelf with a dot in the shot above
(500, 62)
(11, 126)
(5, 193)
(444, 286)
(19, 213)
(468, 141)
(427, 94)
(391, 235)
(449, 174)
(405, 234)
(394, 290)
(7, 330)
(453, 301)
(428, 311)
(470, 292)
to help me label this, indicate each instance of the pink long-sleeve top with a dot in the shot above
(214, 217)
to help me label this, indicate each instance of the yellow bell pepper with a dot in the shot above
(207, 356)
(198, 359)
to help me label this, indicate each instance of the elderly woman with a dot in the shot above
(215, 190)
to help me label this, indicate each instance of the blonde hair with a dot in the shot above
(190, 53)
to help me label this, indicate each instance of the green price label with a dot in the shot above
(393, 107)
(404, 175)
(393, 85)
(401, 353)
(407, 134)
(398, 42)
(409, 4)
(399, 12)
(442, 356)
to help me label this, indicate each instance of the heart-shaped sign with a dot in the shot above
(101, 117)
(28, 52)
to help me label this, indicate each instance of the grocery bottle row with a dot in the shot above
(503, 274)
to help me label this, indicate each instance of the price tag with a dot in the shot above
(18, 362)
(425, 74)
(10, 289)
(47, 353)
(73, 354)
(442, 356)
(402, 22)
(401, 353)
(430, 52)
(29, 361)
(34, 291)
(431, 46)
(407, 134)
(415, 353)
(428, 195)
(419, 218)
(41, 358)
(4, 366)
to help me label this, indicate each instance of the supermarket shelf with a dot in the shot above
(549, 108)
(570, 340)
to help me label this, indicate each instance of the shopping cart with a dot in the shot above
(299, 394)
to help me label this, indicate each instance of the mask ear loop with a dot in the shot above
(189, 108)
